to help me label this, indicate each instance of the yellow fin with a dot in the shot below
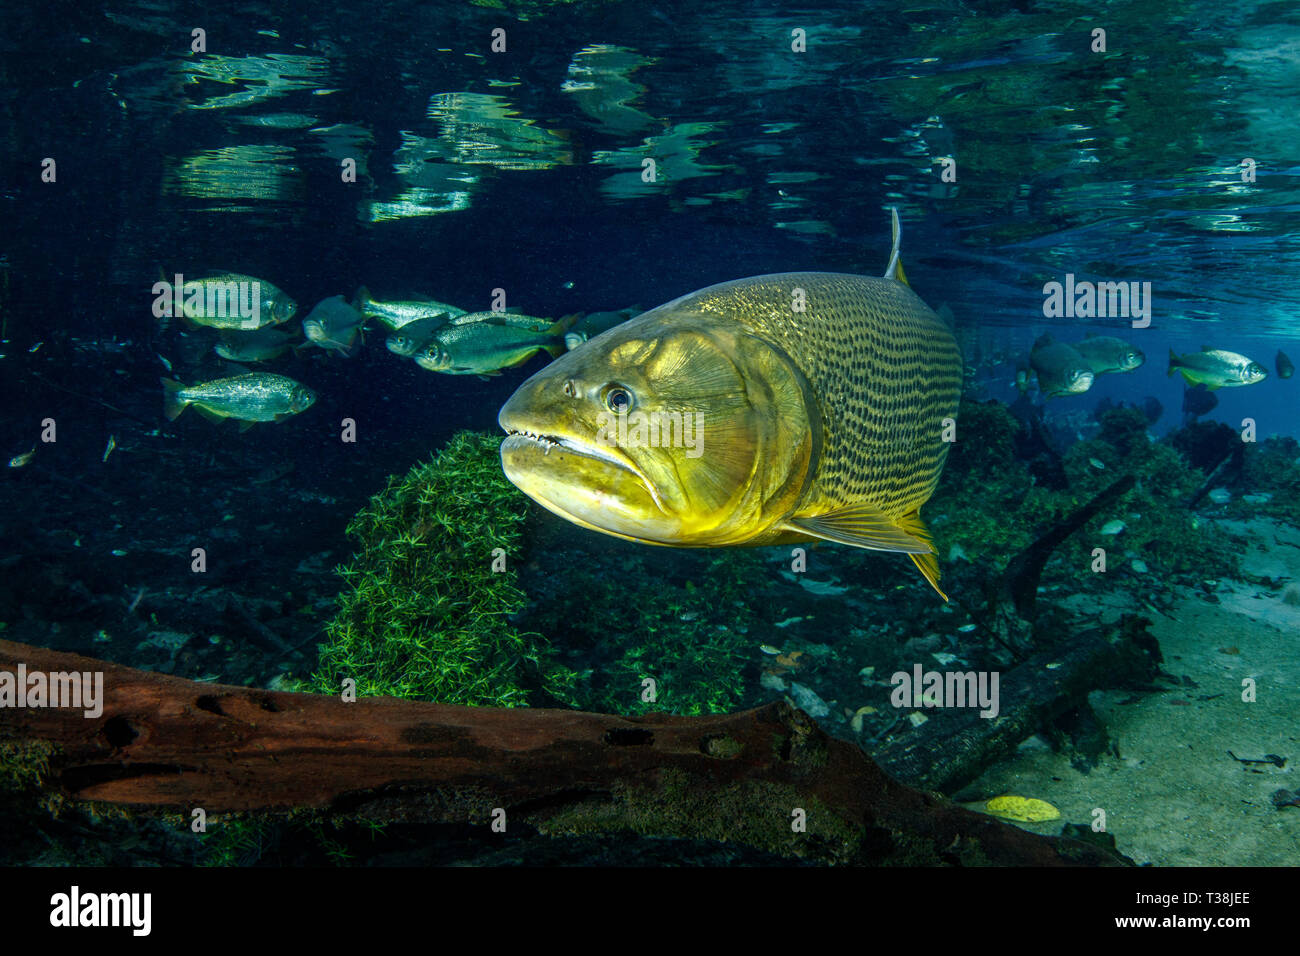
(862, 526)
(928, 563)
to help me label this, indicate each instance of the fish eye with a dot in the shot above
(617, 399)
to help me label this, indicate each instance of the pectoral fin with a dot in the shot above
(863, 526)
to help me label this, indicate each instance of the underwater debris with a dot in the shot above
(1022, 809)
(1275, 760)
(807, 700)
(1033, 695)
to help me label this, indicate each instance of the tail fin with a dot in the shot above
(173, 404)
(1172, 360)
(361, 299)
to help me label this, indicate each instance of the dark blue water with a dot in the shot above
(521, 170)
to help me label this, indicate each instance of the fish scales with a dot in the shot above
(825, 423)
(885, 369)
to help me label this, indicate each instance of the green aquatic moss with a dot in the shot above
(23, 766)
(430, 594)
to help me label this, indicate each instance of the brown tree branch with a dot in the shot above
(165, 742)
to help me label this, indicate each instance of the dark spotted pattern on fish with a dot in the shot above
(885, 369)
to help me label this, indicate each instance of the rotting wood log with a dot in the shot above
(956, 744)
(163, 742)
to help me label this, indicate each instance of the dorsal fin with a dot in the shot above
(895, 268)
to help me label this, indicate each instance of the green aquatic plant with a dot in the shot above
(429, 597)
(236, 840)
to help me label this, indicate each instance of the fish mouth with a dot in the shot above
(587, 482)
(521, 439)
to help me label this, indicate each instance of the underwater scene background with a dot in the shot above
(600, 157)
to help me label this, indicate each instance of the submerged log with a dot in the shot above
(955, 745)
(750, 778)
(1012, 597)
(1049, 677)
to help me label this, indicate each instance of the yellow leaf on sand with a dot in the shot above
(1022, 809)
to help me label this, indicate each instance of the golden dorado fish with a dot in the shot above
(731, 417)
